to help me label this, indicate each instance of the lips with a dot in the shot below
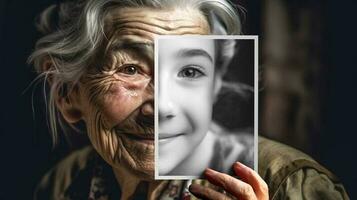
(137, 126)
(143, 135)
(169, 136)
(140, 136)
(140, 133)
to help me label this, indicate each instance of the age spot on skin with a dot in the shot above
(131, 93)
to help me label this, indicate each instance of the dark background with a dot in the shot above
(322, 57)
(240, 72)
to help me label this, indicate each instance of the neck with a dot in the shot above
(132, 185)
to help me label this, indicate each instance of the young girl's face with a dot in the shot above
(186, 93)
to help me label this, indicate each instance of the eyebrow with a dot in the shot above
(194, 52)
(128, 44)
(145, 49)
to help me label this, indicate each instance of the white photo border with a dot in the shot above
(156, 110)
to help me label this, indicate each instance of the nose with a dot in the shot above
(148, 108)
(166, 101)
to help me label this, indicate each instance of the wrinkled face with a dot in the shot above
(118, 98)
(186, 90)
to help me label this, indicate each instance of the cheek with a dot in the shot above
(198, 108)
(122, 100)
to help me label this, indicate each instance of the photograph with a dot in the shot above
(206, 110)
(177, 99)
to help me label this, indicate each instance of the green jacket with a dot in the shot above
(289, 173)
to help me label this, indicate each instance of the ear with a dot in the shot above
(46, 66)
(69, 106)
(68, 103)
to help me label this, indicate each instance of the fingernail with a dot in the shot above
(239, 165)
(239, 168)
(193, 188)
(209, 172)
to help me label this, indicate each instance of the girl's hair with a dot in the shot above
(73, 33)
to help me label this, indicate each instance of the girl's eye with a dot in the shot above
(190, 72)
(129, 69)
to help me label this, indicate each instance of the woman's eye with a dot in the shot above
(190, 72)
(129, 69)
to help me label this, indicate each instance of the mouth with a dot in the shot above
(148, 139)
(165, 137)
(146, 136)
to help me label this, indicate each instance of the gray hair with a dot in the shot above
(74, 32)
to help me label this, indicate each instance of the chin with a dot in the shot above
(141, 169)
(119, 152)
(144, 173)
(165, 167)
(169, 163)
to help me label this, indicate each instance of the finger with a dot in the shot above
(230, 184)
(203, 192)
(251, 177)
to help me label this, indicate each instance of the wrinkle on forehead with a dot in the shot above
(126, 51)
(148, 22)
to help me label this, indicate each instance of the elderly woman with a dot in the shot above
(97, 56)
